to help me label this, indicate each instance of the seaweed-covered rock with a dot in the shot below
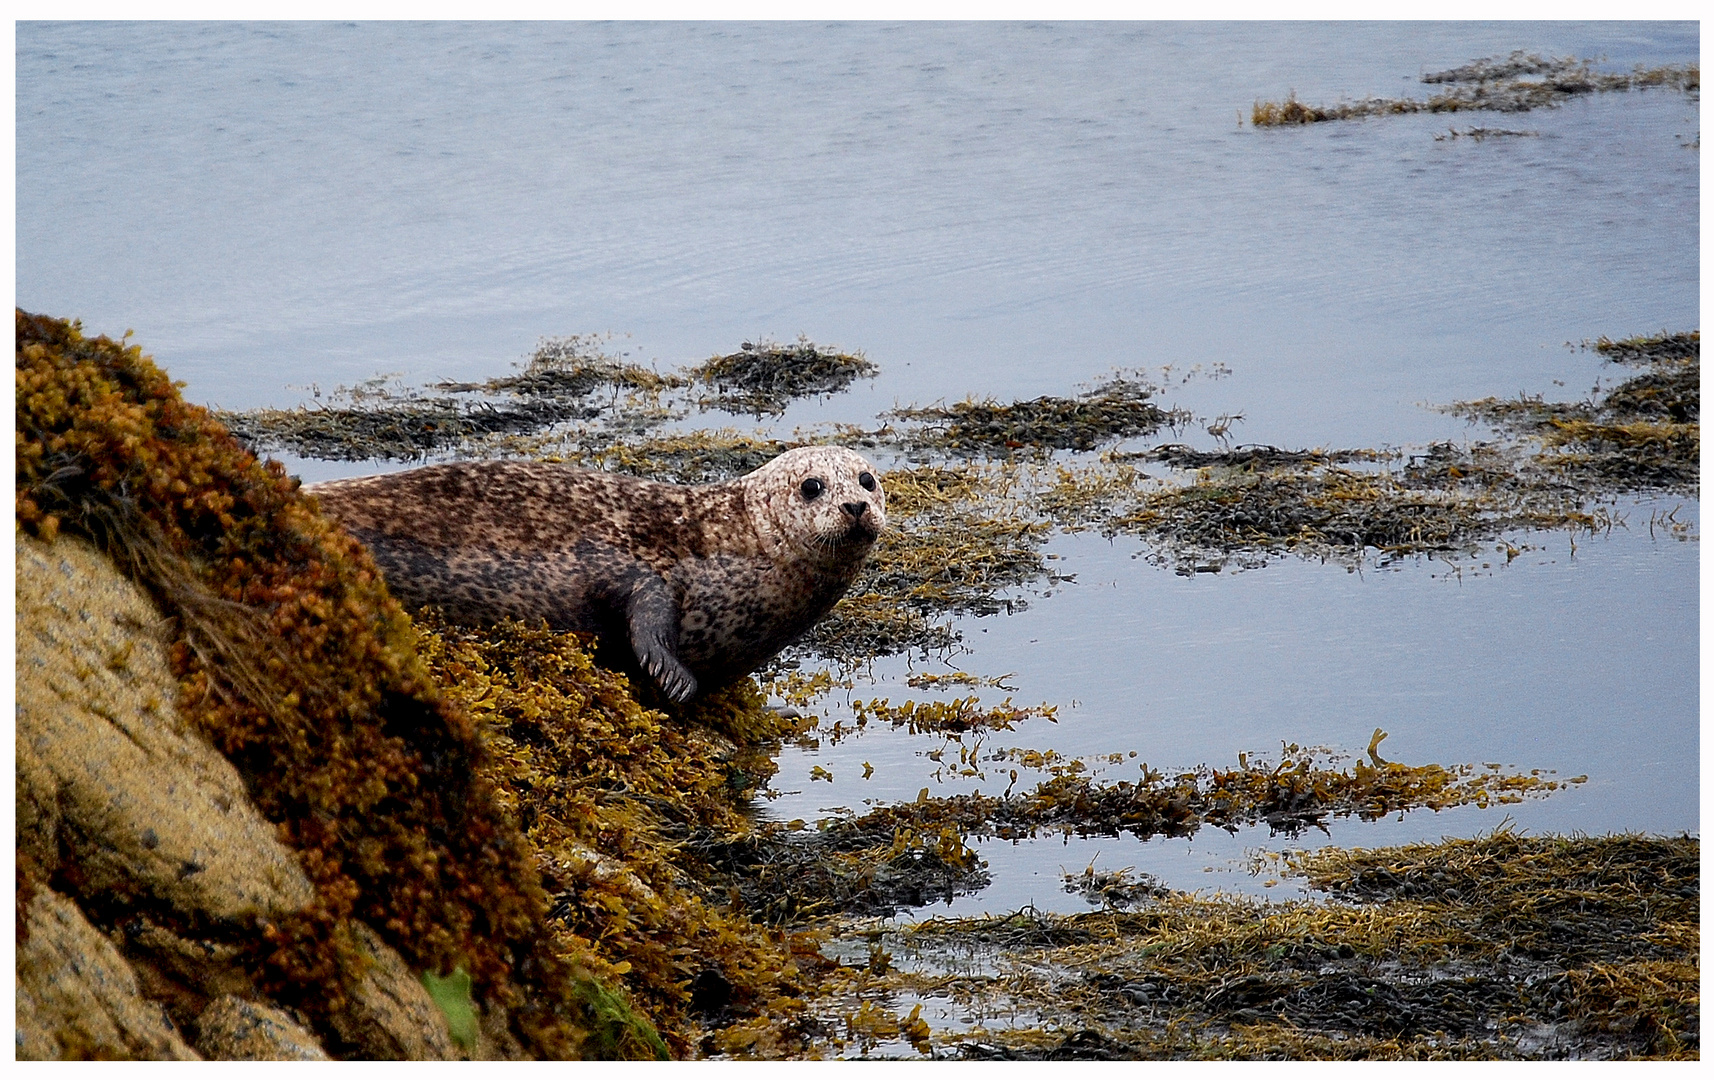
(282, 651)
(109, 772)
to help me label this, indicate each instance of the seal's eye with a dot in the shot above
(867, 480)
(812, 488)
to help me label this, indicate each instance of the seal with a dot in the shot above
(696, 586)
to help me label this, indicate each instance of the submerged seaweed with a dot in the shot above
(1643, 433)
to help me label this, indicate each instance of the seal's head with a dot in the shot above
(823, 502)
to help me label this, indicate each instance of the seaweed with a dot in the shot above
(610, 795)
(1494, 84)
(1251, 457)
(763, 378)
(1501, 946)
(408, 430)
(1121, 407)
(1289, 797)
(573, 366)
(1480, 133)
(1643, 433)
(1651, 348)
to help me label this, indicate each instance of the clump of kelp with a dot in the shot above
(406, 428)
(1296, 793)
(297, 665)
(763, 378)
(1516, 83)
(573, 366)
(1502, 946)
(1120, 407)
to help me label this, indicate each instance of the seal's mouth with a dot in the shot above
(859, 533)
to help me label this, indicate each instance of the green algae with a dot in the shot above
(451, 995)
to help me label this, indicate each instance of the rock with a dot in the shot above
(110, 778)
(76, 996)
(233, 1029)
(389, 1015)
(184, 975)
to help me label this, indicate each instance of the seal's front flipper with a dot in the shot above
(652, 617)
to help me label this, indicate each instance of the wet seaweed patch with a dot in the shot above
(615, 798)
(762, 379)
(572, 366)
(1118, 889)
(573, 391)
(1644, 433)
(379, 419)
(1298, 792)
(1502, 946)
(1552, 467)
(1516, 83)
(1650, 348)
(910, 854)
(1120, 407)
(1180, 456)
(1326, 512)
(407, 428)
(790, 873)
(955, 717)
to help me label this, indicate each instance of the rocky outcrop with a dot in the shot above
(388, 1013)
(77, 997)
(233, 1029)
(135, 815)
(109, 777)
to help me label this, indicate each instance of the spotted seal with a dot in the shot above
(696, 586)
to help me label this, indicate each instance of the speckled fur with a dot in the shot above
(697, 586)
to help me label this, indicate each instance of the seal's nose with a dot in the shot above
(856, 509)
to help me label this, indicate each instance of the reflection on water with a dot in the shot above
(1585, 664)
(1001, 209)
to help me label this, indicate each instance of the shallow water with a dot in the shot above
(995, 209)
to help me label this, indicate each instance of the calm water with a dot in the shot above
(1007, 209)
